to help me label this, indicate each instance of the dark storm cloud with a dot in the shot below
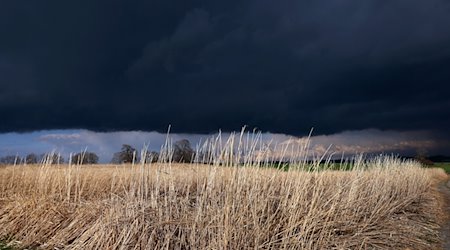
(283, 66)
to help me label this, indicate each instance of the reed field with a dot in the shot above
(382, 203)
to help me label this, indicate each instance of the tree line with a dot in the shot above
(181, 152)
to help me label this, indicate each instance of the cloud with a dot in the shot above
(347, 143)
(283, 66)
(376, 141)
(169, 52)
(60, 137)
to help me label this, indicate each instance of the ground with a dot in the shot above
(445, 233)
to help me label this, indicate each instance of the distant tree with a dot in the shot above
(422, 157)
(10, 160)
(31, 159)
(151, 156)
(116, 158)
(51, 158)
(126, 155)
(85, 158)
(182, 151)
(205, 157)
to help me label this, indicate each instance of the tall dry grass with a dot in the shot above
(380, 204)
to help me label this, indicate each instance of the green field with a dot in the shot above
(443, 165)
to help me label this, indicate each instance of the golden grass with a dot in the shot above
(389, 205)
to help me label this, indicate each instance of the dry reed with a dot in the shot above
(381, 204)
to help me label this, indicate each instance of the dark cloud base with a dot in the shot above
(282, 66)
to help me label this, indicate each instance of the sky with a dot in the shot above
(133, 67)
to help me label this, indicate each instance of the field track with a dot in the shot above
(444, 188)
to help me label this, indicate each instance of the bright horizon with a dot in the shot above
(105, 144)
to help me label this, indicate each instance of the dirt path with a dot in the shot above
(445, 233)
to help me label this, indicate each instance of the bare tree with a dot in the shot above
(85, 158)
(182, 151)
(126, 155)
(31, 159)
(422, 157)
(205, 157)
(10, 160)
(51, 158)
(151, 156)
